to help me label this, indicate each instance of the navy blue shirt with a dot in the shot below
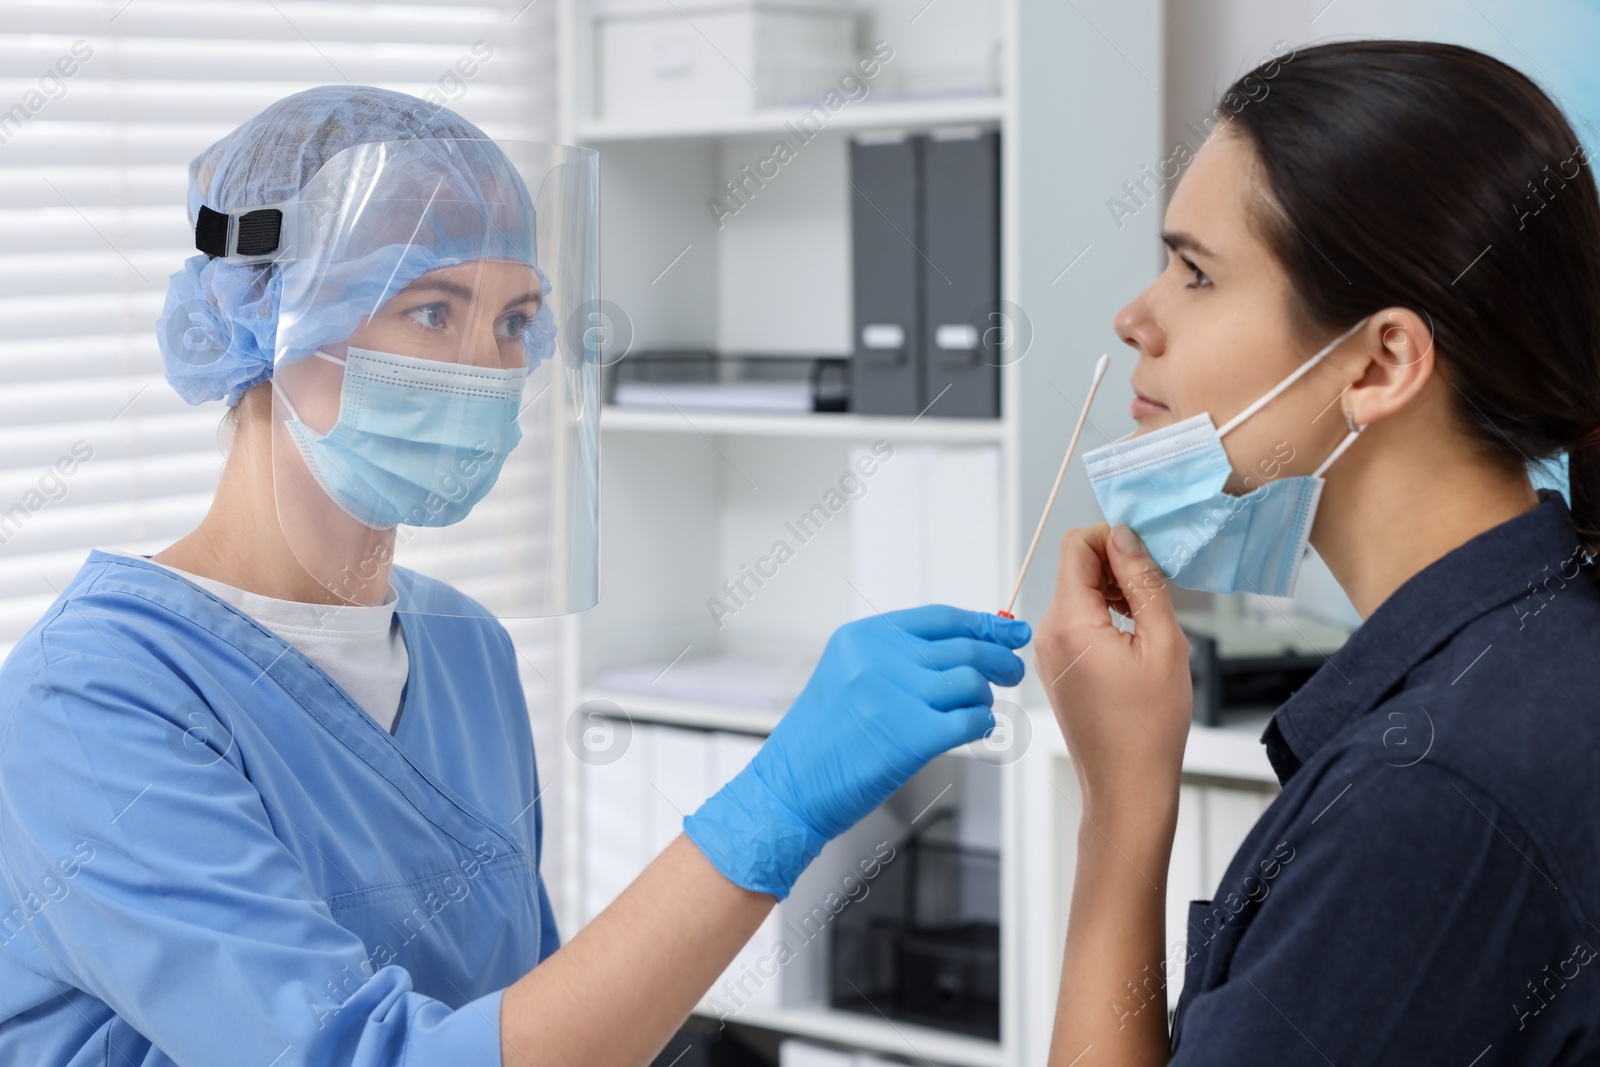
(1426, 888)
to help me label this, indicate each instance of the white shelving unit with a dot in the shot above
(1232, 752)
(921, 114)
(688, 496)
(815, 427)
(859, 1031)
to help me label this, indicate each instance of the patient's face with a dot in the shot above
(1214, 332)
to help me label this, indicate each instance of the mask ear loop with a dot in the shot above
(1349, 439)
(1294, 376)
(283, 394)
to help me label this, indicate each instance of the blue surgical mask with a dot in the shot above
(1168, 486)
(1551, 474)
(417, 441)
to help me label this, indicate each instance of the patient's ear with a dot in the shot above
(1395, 361)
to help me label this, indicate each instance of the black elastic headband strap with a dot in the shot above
(257, 233)
(211, 232)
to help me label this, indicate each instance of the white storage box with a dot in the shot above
(692, 58)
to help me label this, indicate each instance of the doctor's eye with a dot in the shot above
(429, 316)
(1200, 278)
(514, 327)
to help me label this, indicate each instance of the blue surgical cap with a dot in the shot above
(219, 329)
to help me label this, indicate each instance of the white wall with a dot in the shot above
(1212, 42)
(1088, 119)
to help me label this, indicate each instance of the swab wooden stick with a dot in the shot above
(1072, 445)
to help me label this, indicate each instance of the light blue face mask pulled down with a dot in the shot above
(1167, 485)
(417, 441)
(1551, 473)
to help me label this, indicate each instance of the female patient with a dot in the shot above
(1426, 888)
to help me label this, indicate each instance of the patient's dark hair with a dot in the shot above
(1433, 177)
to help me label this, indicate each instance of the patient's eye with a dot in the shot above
(1200, 278)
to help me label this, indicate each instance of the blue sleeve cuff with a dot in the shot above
(752, 837)
(468, 1036)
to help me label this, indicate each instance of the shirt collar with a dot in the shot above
(1491, 569)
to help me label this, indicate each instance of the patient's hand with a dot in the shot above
(1122, 699)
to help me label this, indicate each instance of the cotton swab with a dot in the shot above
(1072, 445)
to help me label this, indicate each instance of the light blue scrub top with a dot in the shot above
(211, 855)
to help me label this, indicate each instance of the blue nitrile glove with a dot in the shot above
(890, 693)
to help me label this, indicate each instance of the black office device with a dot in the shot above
(1245, 669)
(706, 1043)
(923, 944)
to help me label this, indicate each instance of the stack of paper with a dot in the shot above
(715, 396)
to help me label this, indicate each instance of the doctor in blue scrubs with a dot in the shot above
(268, 797)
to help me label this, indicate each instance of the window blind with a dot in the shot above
(102, 105)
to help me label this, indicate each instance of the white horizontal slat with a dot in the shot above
(92, 274)
(116, 235)
(46, 142)
(73, 144)
(89, 101)
(152, 185)
(55, 528)
(93, 402)
(192, 431)
(96, 481)
(134, 309)
(284, 19)
(114, 285)
(288, 60)
(229, 23)
(77, 355)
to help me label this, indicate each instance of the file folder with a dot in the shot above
(961, 328)
(885, 224)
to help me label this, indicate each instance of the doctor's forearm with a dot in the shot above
(614, 994)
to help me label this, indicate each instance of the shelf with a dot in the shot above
(922, 1044)
(1233, 750)
(907, 114)
(674, 712)
(1229, 751)
(816, 425)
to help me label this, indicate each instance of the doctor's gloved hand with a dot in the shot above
(891, 692)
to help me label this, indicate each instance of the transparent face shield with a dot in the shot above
(430, 407)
